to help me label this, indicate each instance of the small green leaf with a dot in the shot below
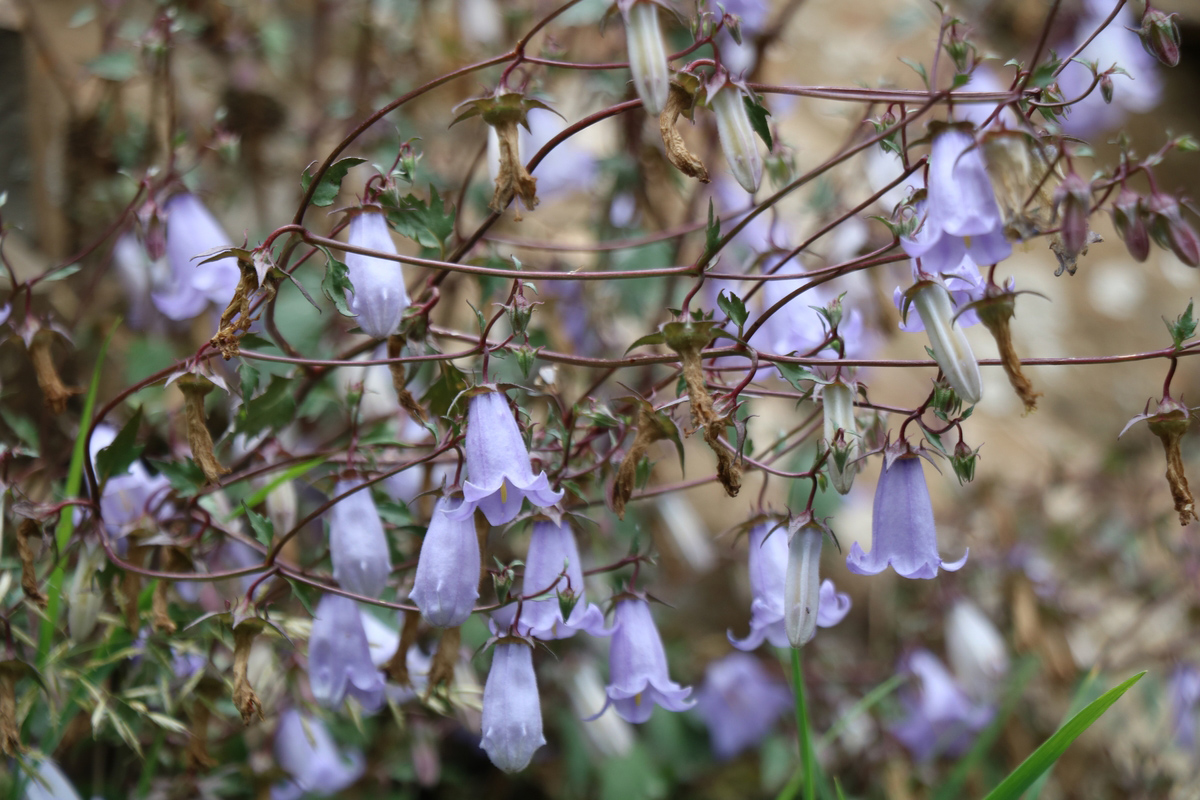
(733, 306)
(758, 118)
(331, 182)
(1183, 328)
(274, 408)
(124, 450)
(428, 224)
(336, 283)
(658, 337)
(25, 430)
(795, 375)
(306, 594)
(185, 476)
(264, 529)
(712, 234)
(919, 68)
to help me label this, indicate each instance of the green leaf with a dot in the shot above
(306, 594)
(734, 307)
(1043, 75)
(1183, 328)
(274, 408)
(289, 474)
(919, 68)
(712, 234)
(124, 450)
(264, 529)
(796, 375)
(428, 224)
(25, 430)
(184, 476)
(331, 182)
(440, 397)
(758, 118)
(658, 337)
(1041, 759)
(336, 283)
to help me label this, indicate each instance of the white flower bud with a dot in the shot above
(647, 56)
(976, 650)
(838, 402)
(802, 586)
(950, 347)
(84, 598)
(737, 137)
(357, 543)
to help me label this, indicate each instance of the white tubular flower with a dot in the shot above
(379, 297)
(976, 650)
(802, 586)
(950, 347)
(737, 136)
(838, 402)
(647, 55)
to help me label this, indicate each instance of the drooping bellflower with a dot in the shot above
(962, 216)
(357, 544)
(379, 297)
(447, 581)
(738, 140)
(637, 666)
(552, 551)
(647, 54)
(191, 231)
(499, 476)
(939, 717)
(125, 498)
(903, 535)
(769, 558)
(512, 710)
(314, 763)
(740, 703)
(339, 657)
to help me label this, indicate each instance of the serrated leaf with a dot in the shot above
(331, 182)
(274, 408)
(428, 224)
(306, 594)
(264, 529)
(1183, 327)
(185, 477)
(758, 119)
(919, 68)
(734, 307)
(712, 233)
(124, 450)
(440, 396)
(336, 283)
(795, 375)
(658, 337)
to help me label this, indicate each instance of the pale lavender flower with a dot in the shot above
(962, 216)
(125, 498)
(499, 475)
(314, 763)
(637, 666)
(357, 544)
(379, 297)
(903, 535)
(647, 53)
(939, 717)
(139, 276)
(45, 781)
(447, 581)
(740, 702)
(512, 710)
(192, 231)
(552, 550)
(339, 656)
(768, 579)
(1184, 690)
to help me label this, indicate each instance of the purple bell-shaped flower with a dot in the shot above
(740, 702)
(499, 475)
(962, 216)
(447, 582)
(191, 231)
(1184, 692)
(379, 297)
(637, 666)
(339, 656)
(552, 551)
(357, 544)
(940, 717)
(512, 710)
(314, 763)
(768, 579)
(903, 535)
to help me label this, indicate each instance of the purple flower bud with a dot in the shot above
(1184, 690)
(1073, 201)
(379, 297)
(307, 753)
(940, 717)
(191, 231)
(1160, 36)
(769, 557)
(447, 582)
(903, 535)
(1129, 218)
(740, 702)
(45, 781)
(357, 544)
(647, 54)
(552, 550)
(512, 711)
(637, 666)
(1169, 229)
(339, 657)
(738, 140)
(499, 476)
(962, 217)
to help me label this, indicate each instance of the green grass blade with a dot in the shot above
(1078, 701)
(289, 474)
(66, 520)
(1041, 759)
(868, 701)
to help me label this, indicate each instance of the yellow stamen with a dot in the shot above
(504, 492)
(637, 699)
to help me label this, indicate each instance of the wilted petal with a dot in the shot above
(307, 753)
(512, 710)
(339, 657)
(949, 342)
(379, 297)
(357, 544)
(447, 581)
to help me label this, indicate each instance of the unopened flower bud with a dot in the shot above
(1169, 229)
(838, 402)
(1129, 218)
(1160, 36)
(502, 580)
(963, 462)
(802, 586)
(1073, 201)
(357, 542)
(567, 600)
(950, 347)
(1106, 87)
(379, 297)
(647, 55)
(737, 136)
(976, 650)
